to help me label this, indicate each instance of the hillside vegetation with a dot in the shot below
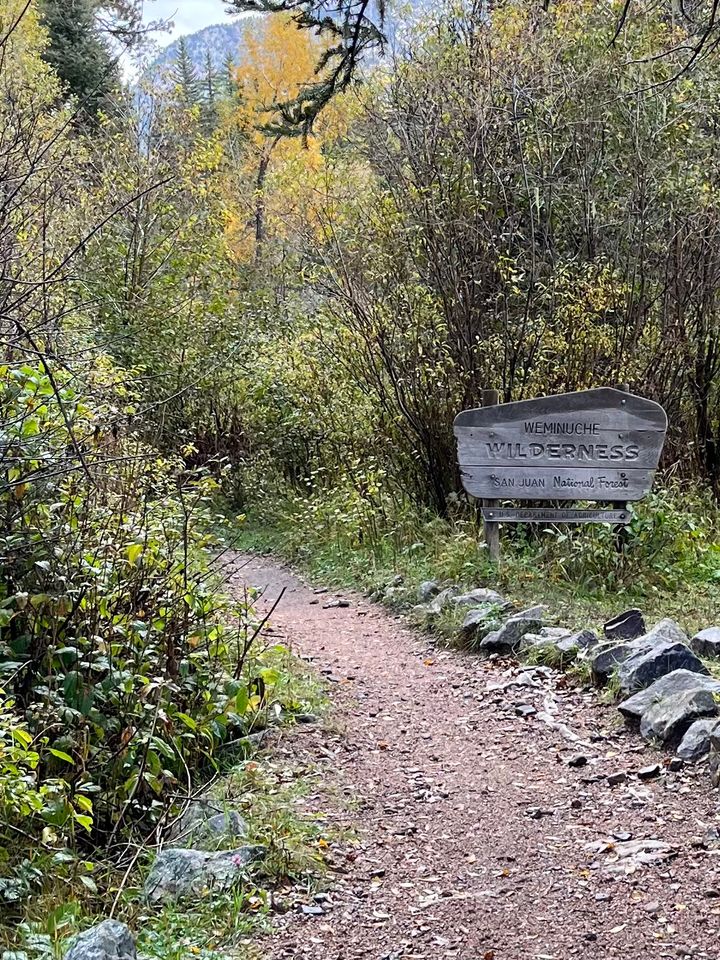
(211, 310)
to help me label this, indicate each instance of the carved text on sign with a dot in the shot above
(599, 444)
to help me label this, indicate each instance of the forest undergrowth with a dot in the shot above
(266, 287)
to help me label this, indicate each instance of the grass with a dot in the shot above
(270, 797)
(669, 564)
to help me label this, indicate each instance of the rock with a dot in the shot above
(480, 596)
(666, 629)
(652, 907)
(615, 779)
(583, 640)
(647, 665)
(696, 742)
(334, 604)
(480, 621)
(649, 773)
(675, 764)
(206, 823)
(678, 681)
(714, 760)
(312, 910)
(509, 636)
(608, 656)
(525, 710)
(667, 719)
(109, 940)
(625, 626)
(605, 658)
(397, 580)
(305, 717)
(547, 637)
(427, 590)
(179, 873)
(442, 600)
(707, 642)
(578, 761)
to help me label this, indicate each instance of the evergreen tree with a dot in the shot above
(185, 77)
(80, 54)
(211, 93)
(228, 76)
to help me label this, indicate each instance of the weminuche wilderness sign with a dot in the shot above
(600, 445)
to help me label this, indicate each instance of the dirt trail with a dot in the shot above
(472, 829)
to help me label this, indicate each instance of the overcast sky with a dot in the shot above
(188, 15)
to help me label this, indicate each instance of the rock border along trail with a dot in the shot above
(483, 829)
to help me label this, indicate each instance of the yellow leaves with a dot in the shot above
(133, 553)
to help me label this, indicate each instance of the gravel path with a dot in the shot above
(476, 836)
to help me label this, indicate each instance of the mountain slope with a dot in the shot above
(220, 39)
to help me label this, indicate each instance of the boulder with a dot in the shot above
(427, 590)
(442, 600)
(509, 636)
(625, 626)
(707, 642)
(605, 658)
(582, 640)
(664, 630)
(696, 742)
(109, 940)
(608, 655)
(649, 664)
(176, 874)
(667, 719)
(206, 823)
(679, 681)
(547, 637)
(480, 596)
(480, 621)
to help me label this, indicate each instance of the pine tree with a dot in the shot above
(80, 54)
(185, 77)
(228, 77)
(211, 93)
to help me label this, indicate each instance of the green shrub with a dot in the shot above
(117, 646)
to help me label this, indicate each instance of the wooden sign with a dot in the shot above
(549, 515)
(601, 444)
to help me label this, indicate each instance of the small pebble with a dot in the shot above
(312, 910)
(578, 761)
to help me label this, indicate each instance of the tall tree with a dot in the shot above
(185, 77)
(80, 53)
(211, 93)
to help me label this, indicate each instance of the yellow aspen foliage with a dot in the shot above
(279, 176)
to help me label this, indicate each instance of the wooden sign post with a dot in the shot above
(597, 445)
(491, 528)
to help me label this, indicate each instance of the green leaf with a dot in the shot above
(133, 553)
(61, 756)
(188, 721)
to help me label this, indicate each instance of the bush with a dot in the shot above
(116, 645)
